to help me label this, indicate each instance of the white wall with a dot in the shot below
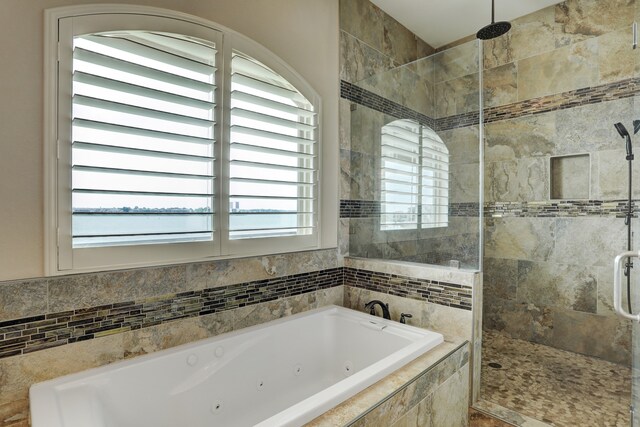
(304, 33)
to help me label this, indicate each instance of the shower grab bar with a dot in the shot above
(617, 285)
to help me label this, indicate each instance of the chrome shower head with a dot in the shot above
(495, 29)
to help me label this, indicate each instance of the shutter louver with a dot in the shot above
(400, 175)
(143, 139)
(273, 169)
(435, 181)
(414, 177)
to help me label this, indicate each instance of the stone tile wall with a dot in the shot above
(382, 97)
(554, 86)
(56, 326)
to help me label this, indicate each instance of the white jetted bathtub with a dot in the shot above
(282, 373)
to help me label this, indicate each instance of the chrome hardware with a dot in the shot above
(617, 285)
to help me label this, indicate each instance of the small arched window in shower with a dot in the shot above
(414, 177)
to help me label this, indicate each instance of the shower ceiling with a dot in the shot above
(439, 22)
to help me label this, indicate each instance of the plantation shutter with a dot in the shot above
(400, 180)
(142, 139)
(435, 181)
(273, 163)
(414, 177)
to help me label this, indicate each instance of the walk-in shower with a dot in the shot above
(535, 124)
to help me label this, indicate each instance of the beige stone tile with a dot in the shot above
(578, 20)
(331, 296)
(589, 128)
(464, 183)
(362, 187)
(567, 68)
(500, 278)
(23, 298)
(528, 136)
(163, 336)
(423, 49)
(609, 175)
(457, 96)
(453, 323)
(463, 144)
(18, 373)
(456, 62)
(345, 174)
(344, 116)
(14, 414)
(530, 36)
(557, 285)
(451, 400)
(500, 85)
(397, 41)
(364, 20)
(89, 290)
(520, 238)
(578, 239)
(616, 59)
(525, 179)
(359, 61)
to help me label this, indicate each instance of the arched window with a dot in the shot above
(172, 147)
(414, 177)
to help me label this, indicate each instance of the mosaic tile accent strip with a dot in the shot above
(559, 208)
(549, 208)
(359, 208)
(376, 102)
(464, 209)
(560, 101)
(372, 209)
(26, 335)
(448, 294)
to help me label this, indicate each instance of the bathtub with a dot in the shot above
(281, 373)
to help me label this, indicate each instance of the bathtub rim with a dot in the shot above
(44, 392)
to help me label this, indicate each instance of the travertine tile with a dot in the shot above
(500, 85)
(515, 180)
(456, 62)
(500, 278)
(23, 298)
(589, 128)
(359, 60)
(397, 41)
(520, 238)
(528, 136)
(364, 20)
(577, 20)
(557, 285)
(581, 238)
(567, 68)
(530, 35)
(457, 96)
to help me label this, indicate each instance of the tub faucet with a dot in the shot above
(371, 305)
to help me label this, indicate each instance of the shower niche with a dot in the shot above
(570, 177)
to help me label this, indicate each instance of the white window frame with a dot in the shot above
(60, 257)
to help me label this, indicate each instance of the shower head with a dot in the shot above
(495, 29)
(624, 134)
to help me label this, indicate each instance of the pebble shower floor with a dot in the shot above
(558, 387)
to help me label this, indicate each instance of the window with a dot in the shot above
(414, 177)
(172, 147)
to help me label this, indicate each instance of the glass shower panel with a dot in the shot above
(415, 162)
